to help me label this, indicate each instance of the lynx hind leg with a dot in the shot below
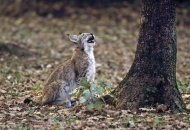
(50, 92)
(55, 94)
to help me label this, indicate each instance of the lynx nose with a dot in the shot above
(92, 36)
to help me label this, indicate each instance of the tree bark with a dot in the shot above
(151, 79)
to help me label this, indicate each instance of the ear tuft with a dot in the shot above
(73, 38)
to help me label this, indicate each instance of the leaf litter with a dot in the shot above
(22, 77)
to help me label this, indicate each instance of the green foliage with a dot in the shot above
(130, 122)
(156, 122)
(4, 74)
(37, 87)
(90, 93)
(20, 127)
(16, 78)
(58, 124)
(182, 86)
(24, 33)
(31, 110)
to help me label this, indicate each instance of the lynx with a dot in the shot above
(67, 75)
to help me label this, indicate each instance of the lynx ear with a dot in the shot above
(73, 38)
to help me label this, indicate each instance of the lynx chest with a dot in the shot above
(91, 69)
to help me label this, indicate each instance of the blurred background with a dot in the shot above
(57, 7)
(42, 26)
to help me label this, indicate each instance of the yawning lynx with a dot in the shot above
(67, 75)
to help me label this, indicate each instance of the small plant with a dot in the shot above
(20, 127)
(37, 87)
(156, 121)
(130, 122)
(4, 74)
(25, 34)
(183, 87)
(31, 111)
(55, 121)
(90, 93)
(17, 77)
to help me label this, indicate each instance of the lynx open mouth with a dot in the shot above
(91, 39)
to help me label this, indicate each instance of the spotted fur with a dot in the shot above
(67, 75)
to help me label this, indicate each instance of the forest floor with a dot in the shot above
(116, 31)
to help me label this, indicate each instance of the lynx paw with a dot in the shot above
(74, 103)
(67, 104)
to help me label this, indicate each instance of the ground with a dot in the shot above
(116, 31)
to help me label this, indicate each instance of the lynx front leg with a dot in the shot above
(64, 97)
(90, 77)
(50, 93)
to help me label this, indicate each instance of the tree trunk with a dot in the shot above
(151, 79)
